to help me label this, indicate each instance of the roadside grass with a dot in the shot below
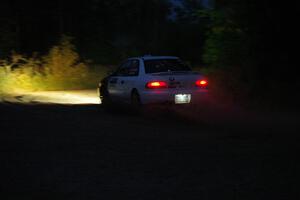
(60, 69)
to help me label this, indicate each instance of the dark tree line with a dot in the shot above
(103, 30)
(255, 33)
(255, 42)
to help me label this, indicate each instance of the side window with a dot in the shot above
(123, 69)
(129, 68)
(134, 68)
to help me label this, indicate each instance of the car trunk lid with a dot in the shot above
(178, 79)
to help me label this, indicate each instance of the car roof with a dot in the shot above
(149, 57)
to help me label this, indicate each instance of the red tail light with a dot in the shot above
(156, 84)
(201, 83)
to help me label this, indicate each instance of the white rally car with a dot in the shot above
(153, 80)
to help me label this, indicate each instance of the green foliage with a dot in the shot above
(63, 68)
(229, 53)
(20, 73)
(226, 44)
(248, 46)
(60, 69)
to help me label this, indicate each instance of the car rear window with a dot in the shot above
(165, 65)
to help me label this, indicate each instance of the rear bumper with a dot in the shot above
(167, 96)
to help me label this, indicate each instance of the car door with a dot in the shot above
(129, 79)
(115, 83)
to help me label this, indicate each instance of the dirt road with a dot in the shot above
(71, 151)
(55, 97)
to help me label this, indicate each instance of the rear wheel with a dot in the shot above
(135, 101)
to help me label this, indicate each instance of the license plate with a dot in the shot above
(182, 98)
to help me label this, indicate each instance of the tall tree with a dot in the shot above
(253, 40)
(8, 29)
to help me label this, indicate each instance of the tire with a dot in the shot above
(135, 101)
(105, 100)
